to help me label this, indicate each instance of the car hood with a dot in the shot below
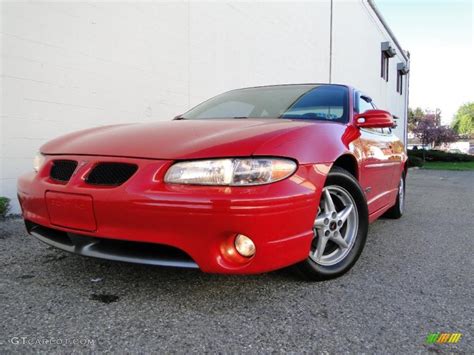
(180, 139)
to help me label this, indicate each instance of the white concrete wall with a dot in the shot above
(67, 66)
(239, 44)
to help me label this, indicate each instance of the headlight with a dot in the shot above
(38, 161)
(234, 172)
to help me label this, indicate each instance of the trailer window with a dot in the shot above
(387, 52)
(399, 82)
(384, 66)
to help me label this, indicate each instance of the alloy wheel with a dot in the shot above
(335, 227)
(401, 195)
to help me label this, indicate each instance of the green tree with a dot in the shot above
(464, 119)
(414, 117)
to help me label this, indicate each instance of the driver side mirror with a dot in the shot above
(373, 119)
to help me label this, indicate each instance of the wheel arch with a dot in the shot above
(348, 162)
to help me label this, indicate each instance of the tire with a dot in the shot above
(337, 256)
(397, 210)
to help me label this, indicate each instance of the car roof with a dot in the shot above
(294, 84)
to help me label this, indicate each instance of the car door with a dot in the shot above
(376, 163)
(397, 157)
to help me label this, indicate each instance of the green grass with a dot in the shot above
(4, 206)
(441, 165)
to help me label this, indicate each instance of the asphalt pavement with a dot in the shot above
(414, 277)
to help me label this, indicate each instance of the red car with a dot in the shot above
(249, 181)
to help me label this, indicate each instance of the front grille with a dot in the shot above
(111, 173)
(62, 170)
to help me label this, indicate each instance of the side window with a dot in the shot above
(364, 104)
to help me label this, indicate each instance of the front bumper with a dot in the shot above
(200, 221)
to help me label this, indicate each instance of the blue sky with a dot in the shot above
(439, 36)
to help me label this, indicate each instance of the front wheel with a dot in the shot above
(340, 228)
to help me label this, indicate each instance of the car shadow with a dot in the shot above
(108, 282)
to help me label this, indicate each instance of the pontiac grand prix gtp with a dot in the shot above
(249, 181)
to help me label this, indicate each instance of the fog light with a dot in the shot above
(244, 245)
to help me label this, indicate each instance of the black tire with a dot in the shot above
(397, 210)
(316, 272)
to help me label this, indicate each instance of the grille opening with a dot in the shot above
(111, 173)
(62, 170)
(112, 249)
(52, 234)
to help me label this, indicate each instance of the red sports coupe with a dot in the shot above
(249, 181)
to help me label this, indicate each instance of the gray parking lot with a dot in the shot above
(414, 277)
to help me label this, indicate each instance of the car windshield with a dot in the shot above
(311, 102)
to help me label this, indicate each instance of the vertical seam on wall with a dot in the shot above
(330, 42)
(189, 54)
(407, 102)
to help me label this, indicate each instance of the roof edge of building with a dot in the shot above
(387, 28)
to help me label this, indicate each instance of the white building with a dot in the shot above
(67, 66)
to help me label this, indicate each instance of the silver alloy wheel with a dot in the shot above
(335, 227)
(401, 195)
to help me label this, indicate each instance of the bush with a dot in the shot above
(414, 161)
(4, 206)
(438, 155)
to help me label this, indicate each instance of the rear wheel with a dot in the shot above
(397, 210)
(340, 228)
